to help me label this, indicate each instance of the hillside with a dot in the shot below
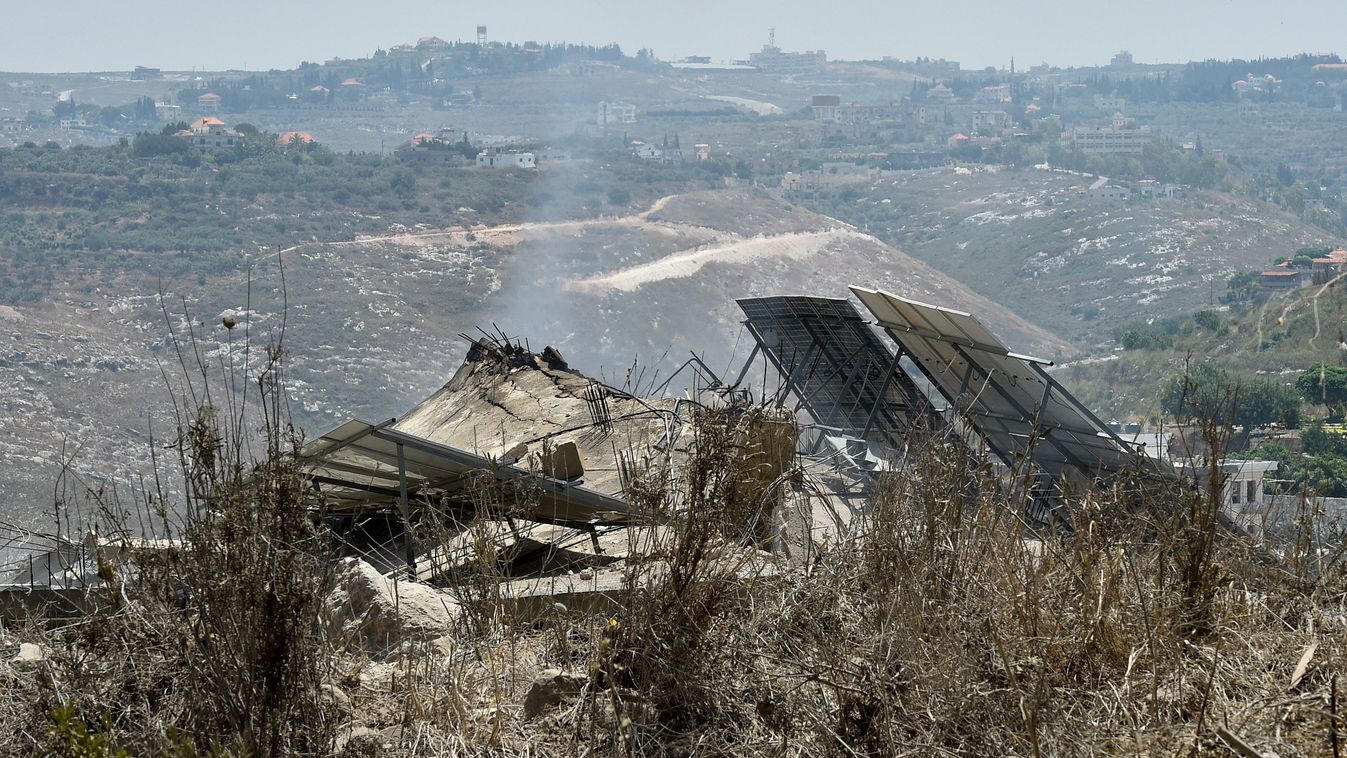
(372, 322)
(1075, 266)
(1275, 339)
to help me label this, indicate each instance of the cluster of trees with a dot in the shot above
(1206, 391)
(1161, 333)
(151, 204)
(1322, 469)
(1154, 335)
(428, 70)
(1198, 82)
(1160, 159)
(1326, 385)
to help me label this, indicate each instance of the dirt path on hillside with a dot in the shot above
(1286, 309)
(697, 247)
(506, 234)
(688, 262)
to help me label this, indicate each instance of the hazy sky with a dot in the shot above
(85, 35)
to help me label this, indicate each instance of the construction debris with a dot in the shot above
(524, 472)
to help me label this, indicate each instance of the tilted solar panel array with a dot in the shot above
(1008, 398)
(844, 375)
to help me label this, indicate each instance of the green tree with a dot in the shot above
(1203, 391)
(147, 145)
(1324, 384)
(403, 183)
(1263, 403)
(1285, 176)
(1211, 321)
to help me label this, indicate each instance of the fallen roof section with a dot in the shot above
(359, 465)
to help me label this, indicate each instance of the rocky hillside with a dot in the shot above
(1073, 265)
(372, 324)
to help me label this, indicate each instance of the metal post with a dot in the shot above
(748, 363)
(883, 388)
(406, 516)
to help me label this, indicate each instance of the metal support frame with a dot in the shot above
(748, 362)
(1079, 408)
(407, 546)
(833, 333)
(373, 489)
(851, 379)
(883, 388)
(1024, 412)
(799, 372)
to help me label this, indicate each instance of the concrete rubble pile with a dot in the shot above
(522, 483)
(489, 541)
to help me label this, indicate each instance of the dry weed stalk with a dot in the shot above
(208, 636)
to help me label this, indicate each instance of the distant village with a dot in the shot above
(943, 115)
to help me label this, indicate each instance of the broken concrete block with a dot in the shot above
(29, 654)
(377, 613)
(564, 462)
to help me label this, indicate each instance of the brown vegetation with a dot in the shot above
(936, 625)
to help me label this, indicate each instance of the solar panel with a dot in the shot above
(357, 466)
(1012, 402)
(845, 377)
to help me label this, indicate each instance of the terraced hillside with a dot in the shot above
(1075, 266)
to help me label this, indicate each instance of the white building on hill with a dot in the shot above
(491, 158)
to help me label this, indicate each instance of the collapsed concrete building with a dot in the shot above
(562, 453)
(550, 483)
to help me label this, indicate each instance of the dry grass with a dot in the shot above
(938, 625)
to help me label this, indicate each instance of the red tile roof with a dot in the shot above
(290, 138)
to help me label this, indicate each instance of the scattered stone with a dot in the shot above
(336, 702)
(549, 689)
(362, 740)
(378, 614)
